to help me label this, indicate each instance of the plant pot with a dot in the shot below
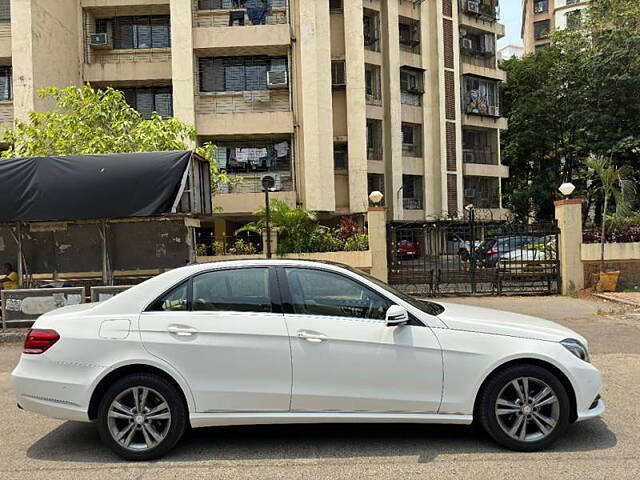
(607, 282)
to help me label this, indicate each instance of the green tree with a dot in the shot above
(611, 182)
(85, 120)
(577, 97)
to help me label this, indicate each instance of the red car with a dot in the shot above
(408, 248)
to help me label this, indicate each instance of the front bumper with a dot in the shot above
(595, 410)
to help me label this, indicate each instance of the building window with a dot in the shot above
(137, 32)
(5, 11)
(375, 182)
(340, 161)
(146, 100)
(335, 6)
(412, 192)
(478, 44)
(229, 4)
(372, 85)
(371, 23)
(252, 159)
(541, 29)
(481, 97)
(486, 9)
(237, 74)
(6, 85)
(574, 19)
(540, 6)
(374, 139)
(411, 136)
(411, 86)
(573, 2)
(482, 192)
(409, 30)
(477, 148)
(338, 75)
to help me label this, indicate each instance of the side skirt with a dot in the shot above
(266, 418)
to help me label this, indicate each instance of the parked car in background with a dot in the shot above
(408, 249)
(489, 251)
(542, 248)
(288, 341)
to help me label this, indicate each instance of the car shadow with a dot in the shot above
(79, 442)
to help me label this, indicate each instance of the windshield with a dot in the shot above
(430, 308)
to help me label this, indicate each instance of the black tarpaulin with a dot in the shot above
(92, 186)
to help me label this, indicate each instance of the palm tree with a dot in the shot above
(294, 225)
(615, 182)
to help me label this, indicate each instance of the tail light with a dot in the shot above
(39, 341)
(493, 251)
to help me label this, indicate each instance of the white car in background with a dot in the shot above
(285, 341)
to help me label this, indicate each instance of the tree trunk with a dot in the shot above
(603, 234)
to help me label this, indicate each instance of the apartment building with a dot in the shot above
(541, 17)
(333, 98)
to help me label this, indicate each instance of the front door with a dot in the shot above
(345, 358)
(223, 330)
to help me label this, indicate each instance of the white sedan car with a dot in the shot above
(285, 341)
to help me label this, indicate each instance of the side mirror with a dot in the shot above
(396, 315)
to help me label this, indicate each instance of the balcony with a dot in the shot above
(235, 30)
(482, 192)
(480, 97)
(478, 54)
(486, 10)
(236, 13)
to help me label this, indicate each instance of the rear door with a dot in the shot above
(224, 331)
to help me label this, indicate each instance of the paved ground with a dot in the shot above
(38, 448)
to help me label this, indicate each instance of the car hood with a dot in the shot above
(498, 322)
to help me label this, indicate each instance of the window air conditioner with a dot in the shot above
(277, 181)
(469, 192)
(467, 44)
(277, 79)
(473, 6)
(100, 40)
(468, 157)
(494, 111)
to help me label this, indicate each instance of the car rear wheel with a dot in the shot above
(524, 408)
(141, 417)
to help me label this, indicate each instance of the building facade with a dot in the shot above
(541, 17)
(510, 51)
(332, 98)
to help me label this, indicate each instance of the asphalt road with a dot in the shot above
(34, 447)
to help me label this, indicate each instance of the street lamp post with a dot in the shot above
(268, 183)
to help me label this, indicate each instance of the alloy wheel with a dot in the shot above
(139, 418)
(527, 409)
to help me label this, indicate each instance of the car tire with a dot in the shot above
(156, 429)
(501, 408)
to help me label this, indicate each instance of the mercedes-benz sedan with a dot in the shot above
(284, 341)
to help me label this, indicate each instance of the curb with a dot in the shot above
(617, 300)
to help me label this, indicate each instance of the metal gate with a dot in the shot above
(470, 257)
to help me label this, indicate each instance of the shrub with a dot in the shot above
(357, 242)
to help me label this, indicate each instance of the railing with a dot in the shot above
(412, 203)
(478, 58)
(233, 13)
(374, 99)
(411, 150)
(411, 46)
(411, 98)
(243, 102)
(484, 157)
(252, 183)
(374, 153)
(141, 55)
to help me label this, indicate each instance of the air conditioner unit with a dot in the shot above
(100, 40)
(277, 79)
(473, 7)
(469, 192)
(467, 44)
(494, 111)
(338, 74)
(277, 181)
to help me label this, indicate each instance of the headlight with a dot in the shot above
(577, 348)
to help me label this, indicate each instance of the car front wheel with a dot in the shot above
(524, 408)
(141, 417)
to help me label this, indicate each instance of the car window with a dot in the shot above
(238, 290)
(318, 292)
(174, 301)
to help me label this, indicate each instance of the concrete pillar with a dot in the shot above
(377, 231)
(569, 217)
(356, 107)
(182, 61)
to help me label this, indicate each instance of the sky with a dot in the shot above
(511, 17)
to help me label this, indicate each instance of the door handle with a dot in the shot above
(311, 336)
(181, 331)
